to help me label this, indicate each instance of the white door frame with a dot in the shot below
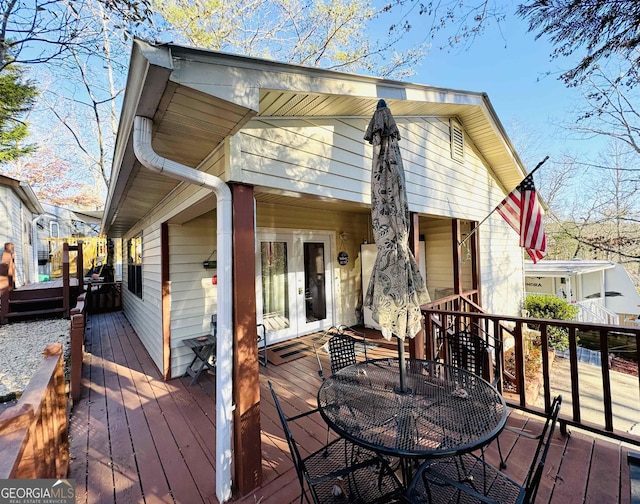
(295, 238)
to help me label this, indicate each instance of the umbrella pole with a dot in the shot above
(403, 366)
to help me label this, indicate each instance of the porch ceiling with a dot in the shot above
(188, 126)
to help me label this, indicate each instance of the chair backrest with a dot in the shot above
(469, 351)
(293, 446)
(341, 348)
(534, 476)
(342, 351)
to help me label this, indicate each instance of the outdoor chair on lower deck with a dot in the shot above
(470, 479)
(341, 471)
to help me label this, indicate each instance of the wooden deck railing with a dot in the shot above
(7, 278)
(34, 433)
(496, 328)
(78, 324)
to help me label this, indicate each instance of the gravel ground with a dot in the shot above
(22, 344)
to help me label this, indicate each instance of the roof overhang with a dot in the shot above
(560, 269)
(24, 192)
(197, 98)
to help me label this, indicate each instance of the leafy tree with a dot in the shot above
(16, 99)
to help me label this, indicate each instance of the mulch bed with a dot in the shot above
(624, 366)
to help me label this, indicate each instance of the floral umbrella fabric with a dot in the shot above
(396, 289)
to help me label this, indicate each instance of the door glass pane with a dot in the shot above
(314, 282)
(275, 285)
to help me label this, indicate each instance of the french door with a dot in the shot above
(294, 288)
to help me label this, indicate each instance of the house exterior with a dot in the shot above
(19, 206)
(242, 187)
(57, 225)
(602, 289)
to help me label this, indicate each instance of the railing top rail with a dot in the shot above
(464, 297)
(582, 326)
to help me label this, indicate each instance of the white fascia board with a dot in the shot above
(149, 70)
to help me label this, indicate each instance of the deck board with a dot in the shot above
(137, 438)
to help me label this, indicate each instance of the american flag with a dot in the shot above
(523, 213)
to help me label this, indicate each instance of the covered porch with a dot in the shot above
(137, 438)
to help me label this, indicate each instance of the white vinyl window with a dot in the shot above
(54, 229)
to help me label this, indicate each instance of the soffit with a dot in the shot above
(188, 126)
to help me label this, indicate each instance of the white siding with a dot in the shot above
(324, 157)
(329, 157)
(145, 315)
(501, 268)
(16, 217)
(193, 296)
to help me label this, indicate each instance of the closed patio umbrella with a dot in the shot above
(396, 289)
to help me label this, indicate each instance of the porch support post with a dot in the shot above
(456, 237)
(475, 261)
(417, 348)
(166, 300)
(246, 380)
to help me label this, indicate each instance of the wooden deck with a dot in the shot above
(135, 438)
(55, 283)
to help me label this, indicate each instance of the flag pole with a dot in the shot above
(491, 213)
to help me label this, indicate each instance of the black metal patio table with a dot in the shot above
(444, 411)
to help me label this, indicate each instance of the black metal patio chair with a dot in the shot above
(469, 479)
(341, 471)
(468, 350)
(342, 348)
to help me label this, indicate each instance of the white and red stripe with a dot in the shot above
(523, 213)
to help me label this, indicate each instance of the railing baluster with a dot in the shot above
(546, 372)
(573, 362)
(606, 379)
(520, 371)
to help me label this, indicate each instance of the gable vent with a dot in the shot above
(457, 141)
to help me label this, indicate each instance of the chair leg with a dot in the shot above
(503, 464)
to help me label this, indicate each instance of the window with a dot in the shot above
(457, 140)
(134, 265)
(54, 229)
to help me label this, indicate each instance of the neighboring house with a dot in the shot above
(603, 290)
(19, 206)
(261, 169)
(59, 224)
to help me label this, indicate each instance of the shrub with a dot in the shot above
(548, 306)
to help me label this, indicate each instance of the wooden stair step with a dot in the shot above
(34, 312)
(36, 300)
